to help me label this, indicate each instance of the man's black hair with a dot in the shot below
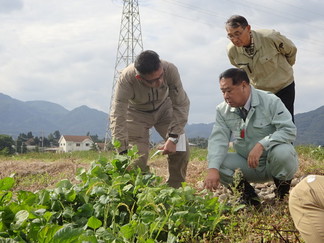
(147, 62)
(236, 21)
(237, 75)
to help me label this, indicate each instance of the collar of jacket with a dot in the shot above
(254, 100)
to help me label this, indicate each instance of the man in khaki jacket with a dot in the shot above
(266, 56)
(148, 94)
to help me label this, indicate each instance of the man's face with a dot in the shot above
(234, 95)
(239, 36)
(155, 79)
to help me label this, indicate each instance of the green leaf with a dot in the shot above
(44, 197)
(20, 219)
(46, 234)
(5, 197)
(89, 236)
(64, 184)
(127, 187)
(127, 231)
(48, 216)
(94, 223)
(7, 183)
(68, 213)
(85, 210)
(67, 235)
(56, 206)
(26, 197)
(70, 195)
(116, 144)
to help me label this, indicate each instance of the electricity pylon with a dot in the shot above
(130, 44)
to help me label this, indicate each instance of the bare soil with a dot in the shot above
(33, 175)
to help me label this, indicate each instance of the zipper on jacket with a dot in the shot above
(153, 104)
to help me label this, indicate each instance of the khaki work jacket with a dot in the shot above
(132, 94)
(270, 68)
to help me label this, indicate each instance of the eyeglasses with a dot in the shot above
(154, 80)
(236, 35)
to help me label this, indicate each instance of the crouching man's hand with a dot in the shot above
(212, 179)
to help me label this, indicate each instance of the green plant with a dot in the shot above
(110, 204)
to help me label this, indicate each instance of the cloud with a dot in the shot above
(65, 51)
(8, 6)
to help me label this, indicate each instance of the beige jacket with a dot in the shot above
(132, 94)
(270, 68)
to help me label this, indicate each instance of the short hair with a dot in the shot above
(147, 62)
(237, 75)
(236, 21)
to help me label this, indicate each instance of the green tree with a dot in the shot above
(199, 142)
(6, 145)
(30, 135)
(57, 135)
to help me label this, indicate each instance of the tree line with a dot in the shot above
(10, 146)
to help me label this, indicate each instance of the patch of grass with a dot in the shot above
(35, 180)
(311, 160)
(198, 154)
(312, 152)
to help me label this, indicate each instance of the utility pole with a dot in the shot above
(130, 44)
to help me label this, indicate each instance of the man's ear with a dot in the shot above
(244, 84)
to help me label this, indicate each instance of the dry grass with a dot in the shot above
(33, 175)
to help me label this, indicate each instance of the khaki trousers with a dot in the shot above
(306, 206)
(139, 123)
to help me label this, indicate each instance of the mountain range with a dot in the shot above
(43, 117)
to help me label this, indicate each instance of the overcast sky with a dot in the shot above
(65, 51)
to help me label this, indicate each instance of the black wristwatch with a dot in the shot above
(173, 138)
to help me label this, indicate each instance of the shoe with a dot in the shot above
(249, 196)
(283, 188)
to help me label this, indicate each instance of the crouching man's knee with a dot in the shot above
(283, 161)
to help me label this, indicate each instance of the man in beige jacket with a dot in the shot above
(266, 56)
(149, 93)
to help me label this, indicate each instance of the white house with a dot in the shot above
(69, 143)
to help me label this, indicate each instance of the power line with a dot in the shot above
(273, 11)
(129, 45)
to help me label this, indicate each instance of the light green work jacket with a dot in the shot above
(270, 67)
(268, 122)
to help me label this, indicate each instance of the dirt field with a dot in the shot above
(33, 175)
(40, 174)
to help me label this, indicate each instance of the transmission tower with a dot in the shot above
(130, 44)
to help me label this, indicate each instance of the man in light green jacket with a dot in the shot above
(262, 139)
(266, 56)
(149, 93)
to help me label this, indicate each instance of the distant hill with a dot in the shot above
(310, 127)
(43, 117)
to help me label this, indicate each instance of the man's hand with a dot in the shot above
(254, 155)
(212, 179)
(169, 147)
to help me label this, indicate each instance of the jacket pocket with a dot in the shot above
(269, 61)
(262, 127)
